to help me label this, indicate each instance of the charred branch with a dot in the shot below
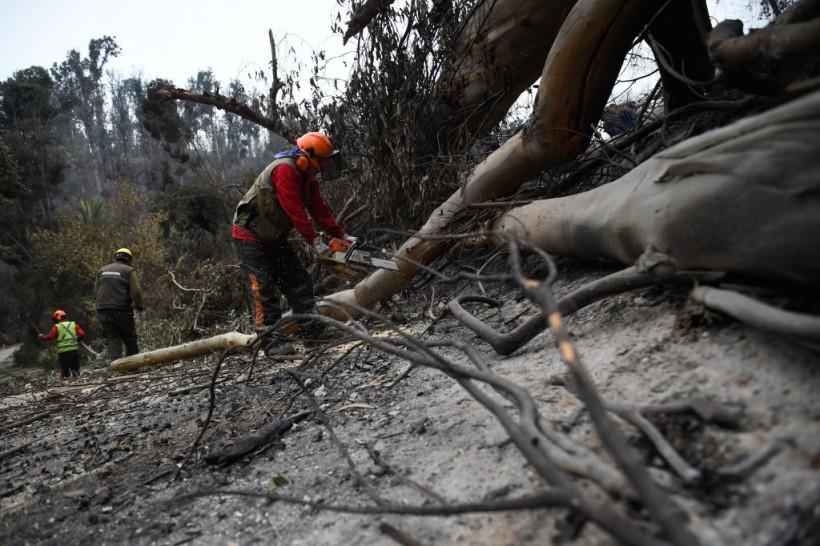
(266, 435)
(752, 60)
(233, 106)
(362, 16)
(505, 344)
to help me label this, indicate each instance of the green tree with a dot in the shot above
(10, 182)
(27, 111)
(80, 87)
(65, 260)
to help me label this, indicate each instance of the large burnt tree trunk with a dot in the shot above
(716, 202)
(577, 48)
(576, 78)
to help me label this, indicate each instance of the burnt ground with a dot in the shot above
(104, 459)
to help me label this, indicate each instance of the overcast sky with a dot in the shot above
(173, 39)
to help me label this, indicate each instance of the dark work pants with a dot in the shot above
(118, 328)
(69, 363)
(267, 271)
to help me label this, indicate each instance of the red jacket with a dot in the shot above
(299, 195)
(53, 333)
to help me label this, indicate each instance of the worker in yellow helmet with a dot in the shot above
(117, 293)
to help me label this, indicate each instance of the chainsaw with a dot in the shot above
(347, 258)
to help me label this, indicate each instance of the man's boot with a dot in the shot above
(275, 344)
(279, 349)
(312, 331)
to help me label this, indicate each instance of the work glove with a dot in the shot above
(350, 238)
(320, 247)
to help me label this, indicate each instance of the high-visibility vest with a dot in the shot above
(66, 336)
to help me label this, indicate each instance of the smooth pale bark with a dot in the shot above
(500, 53)
(179, 352)
(575, 82)
(759, 314)
(741, 199)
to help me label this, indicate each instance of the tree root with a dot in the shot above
(631, 278)
(758, 314)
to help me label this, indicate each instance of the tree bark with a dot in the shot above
(732, 51)
(179, 352)
(677, 37)
(575, 82)
(742, 199)
(362, 17)
(498, 56)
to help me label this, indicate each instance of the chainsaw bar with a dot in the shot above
(346, 253)
(363, 257)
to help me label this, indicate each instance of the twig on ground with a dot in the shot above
(26, 421)
(759, 314)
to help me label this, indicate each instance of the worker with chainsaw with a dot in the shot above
(281, 198)
(68, 335)
(117, 293)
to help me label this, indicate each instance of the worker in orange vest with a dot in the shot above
(68, 335)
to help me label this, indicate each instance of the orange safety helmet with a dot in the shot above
(58, 315)
(314, 145)
(319, 154)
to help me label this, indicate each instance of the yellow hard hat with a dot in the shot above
(123, 253)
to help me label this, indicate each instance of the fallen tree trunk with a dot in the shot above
(742, 199)
(499, 54)
(179, 352)
(576, 79)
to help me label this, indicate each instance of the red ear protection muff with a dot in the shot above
(302, 163)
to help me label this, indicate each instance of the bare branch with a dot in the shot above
(362, 17)
(231, 105)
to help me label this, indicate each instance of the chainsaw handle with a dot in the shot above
(360, 242)
(340, 245)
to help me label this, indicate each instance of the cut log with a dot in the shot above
(180, 352)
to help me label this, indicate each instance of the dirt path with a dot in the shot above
(7, 356)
